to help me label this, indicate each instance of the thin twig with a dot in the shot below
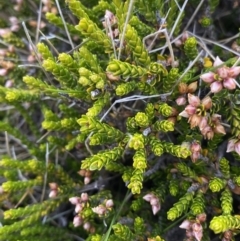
(64, 23)
(178, 18)
(46, 173)
(125, 27)
(47, 40)
(34, 50)
(38, 22)
(7, 143)
(193, 15)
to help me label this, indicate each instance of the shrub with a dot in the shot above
(123, 124)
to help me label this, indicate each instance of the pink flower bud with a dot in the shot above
(13, 20)
(11, 48)
(203, 123)
(178, 43)
(219, 129)
(181, 100)
(53, 185)
(237, 147)
(202, 217)
(156, 208)
(223, 72)
(54, 10)
(186, 224)
(109, 203)
(216, 87)
(185, 36)
(148, 197)
(182, 88)
(217, 62)
(78, 208)
(74, 200)
(87, 226)
(3, 72)
(3, 52)
(42, 24)
(234, 71)
(207, 102)
(154, 201)
(216, 118)
(189, 235)
(191, 110)
(77, 221)
(87, 180)
(84, 197)
(235, 46)
(14, 28)
(100, 210)
(115, 32)
(192, 87)
(228, 235)
(231, 144)
(209, 135)
(195, 120)
(205, 130)
(195, 147)
(197, 231)
(208, 77)
(193, 100)
(195, 156)
(229, 83)
(108, 14)
(184, 114)
(17, 8)
(9, 83)
(31, 58)
(45, 9)
(175, 63)
(53, 194)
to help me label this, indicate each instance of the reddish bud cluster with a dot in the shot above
(80, 203)
(234, 145)
(154, 201)
(86, 174)
(196, 151)
(194, 229)
(104, 208)
(54, 189)
(110, 24)
(224, 77)
(197, 115)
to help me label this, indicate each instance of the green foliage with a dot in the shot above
(222, 223)
(89, 29)
(136, 46)
(190, 48)
(216, 184)
(226, 202)
(198, 204)
(180, 207)
(117, 115)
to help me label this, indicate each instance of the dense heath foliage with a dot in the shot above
(120, 120)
